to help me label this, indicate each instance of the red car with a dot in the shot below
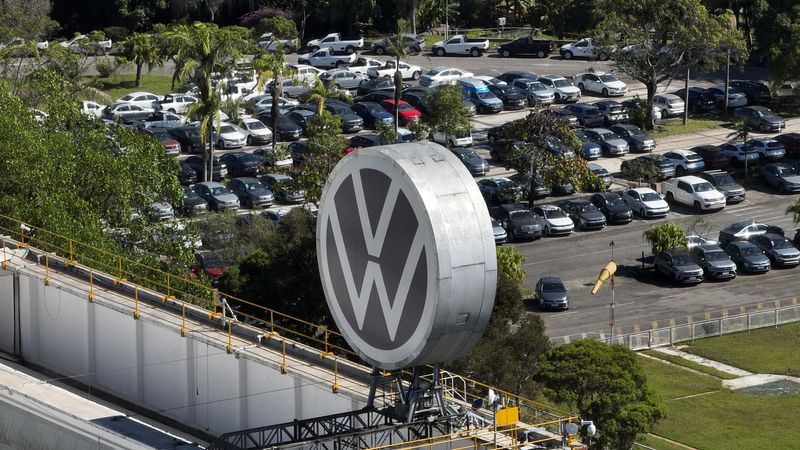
(210, 264)
(712, 156)
(791, 142)
(171, 146)
(407, 112)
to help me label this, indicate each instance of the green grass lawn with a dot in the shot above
(766, 350)
(691, 365)
(720, 419)
(120, 84)
(657, 444)
(693, 125)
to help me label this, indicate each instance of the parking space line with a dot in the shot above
(760, 306)
(742, 310)
(672, 322)
(689, 319)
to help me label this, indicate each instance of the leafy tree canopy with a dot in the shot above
(777, 30)
(666, 236)
(445, 112)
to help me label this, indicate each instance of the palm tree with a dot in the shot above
(396, 48)
(741, 132)
(665, 237)
(319, 93)
(199, 50)
(270, 66)
(794, 210)
(142, 49)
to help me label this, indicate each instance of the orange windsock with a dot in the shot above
(605, 274)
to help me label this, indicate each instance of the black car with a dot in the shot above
(350, 120)
(189, 138)
(251, 192)
(241, 164)
(588, 115)
(415, 99)
(376, 84)
(519, 222)
(777, 248)
(372, 114)
(301, 117)
(287, 130)
(564, 115)
(700, 99)
(193, 204)
(748, 257)
(584, 214)
(550, 293)
(220, 170)
(527, 45)
(476, 165)
(363, 141)
(523, 183)
(298, 150)
(613, 207)
(377, 96)
(281, 187)
(509, 77)
(744, 229)
(186, 175)
(756, 93)
(499, 190)
(511, 97)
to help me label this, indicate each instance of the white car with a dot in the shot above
(646, 202)
(229, 136)
(565, 90)
(442, 75)
(82, 44)
(768, 148)
(582, 49)
(553, 220)
(737, 154)
(143, 99)
(270, 43)
(264, 103)
(490, 81)
(458, 140)
(327, 58)
(177, 103)
(161, 119)
(601, 83)
(304, 72)
(407, 71)
(92, 109)
(362, 65)
(256, 131)
(670, 105)
(736, 98)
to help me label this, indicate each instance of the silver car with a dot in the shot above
(538, 93)
(612, 144)
(217, 195)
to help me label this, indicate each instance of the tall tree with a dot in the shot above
(199, 50)
(270, 66)
(142, 49)
(399, 51)
(26, 19)
(655, 41)
(604, 384)
(326, 145)
(777, 32)
(446, 113)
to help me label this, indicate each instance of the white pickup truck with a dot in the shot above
(460, 45)
(694, 192)
(408, 71)
(327, 58)
(83, 44)
(334, 41)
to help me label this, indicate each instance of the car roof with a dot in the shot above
(553, 77)
(683, 152)
(741, 244)
(676, 251)
(548, 207)
(549, 279)
(608, 194)
(599, 130)
(513, 207)
(577, 201)
(642, 190)
(247, 180)
(498, 179)
(709, 247)
(691, 179)
(210, 184)
(626, 126)
(669, 96)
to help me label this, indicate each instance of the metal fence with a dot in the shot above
(671, 335)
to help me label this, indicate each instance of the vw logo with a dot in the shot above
(380, 257)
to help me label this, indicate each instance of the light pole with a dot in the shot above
(611, 307)
(446, 19)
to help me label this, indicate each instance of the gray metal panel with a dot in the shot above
(438, 208)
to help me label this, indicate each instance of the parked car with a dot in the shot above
(748, 257)
(126, 113)
(271, 158)
(645, 202)
(685, 162)
(384, 86)
(176, 103)
(761, 118)
(412, 42)
(584, 48)
(219, 197)
(499, 190)
(460, 45)
(670, 105)
(778, 249)
(605, 177)
(292, 87)
(679, 266)
(756, 93)
(145, 100)
(524, 183)
(791, 142)
(700, 100)
(713, 156)
(716, 264)
(341, 79)
(336, 42)
(613, 207)
(193, 204)
(406, 112)
(390, 67)
(738, 154)
(564, 115)
(518, 222)
(588, 115)
(242, 164)
(527, 45)
(693, 192)
(326, 58)
(565, 90)
(372, 114)
(252, 194)
(768, 149)
(723, 182)
(219, 171)
(351, 122)
(459, 139)
(537, 93)
(500, 234)
(281, 187)
(210, 264)
(510, 76)
(186, 175)
(92, 110)
(612, 111)
(611, 144)
(158, 119)
(601, 83)
(362, 65)
(638, 140)
(271, 43)
(189, 139)
(743, 230)
(632, 105)
(287, 129)
(554, 220)
(736, 99)
(511, 97)
(591, 150)
(476, 165)
(255, 131)
(550, 293)
(442, 75)
(782, 177)
(584, 214)
(479, 95)
(632, 168)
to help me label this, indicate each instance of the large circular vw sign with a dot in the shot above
(406, 255)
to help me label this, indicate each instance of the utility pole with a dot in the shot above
(728, 81)
(685, 104)
(611, 307)
(446, 19)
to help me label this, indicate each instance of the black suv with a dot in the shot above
(519, 222)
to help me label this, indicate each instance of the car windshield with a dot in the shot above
(616, 202)
(786, 171)
(554, 214)
(227, 129)
(637, 132)
(253, 186)
(650, 197)
(716, 255)
(405, 107)
(256, 125)
(585, 207)
(553, 287)
(212, 260)
(681, 259)
(703, 187)
(724, 180)
(607, 78)
(484, 95)
(607, 135)
(774, 144)
(750, 251)
(521, 214)
(781, 243)
(534, 86)
(504, 184)
(562, 83)
(764, 112)
(220, 190)
(468, 155)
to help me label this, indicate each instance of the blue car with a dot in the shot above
(372, 114)
(591, 149)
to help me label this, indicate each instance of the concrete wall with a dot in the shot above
(190, 379)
